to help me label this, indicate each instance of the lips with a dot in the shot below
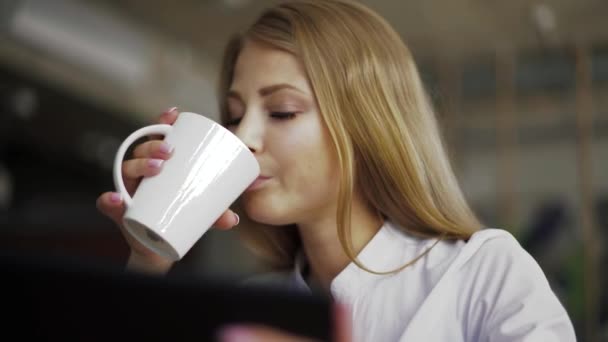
(258, 183)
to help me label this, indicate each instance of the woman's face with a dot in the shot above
(273, 110)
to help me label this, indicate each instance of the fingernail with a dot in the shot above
(237, 218)
(115, 197)
(170, 111)
(166, 148)
(155, 163)
(235, 334)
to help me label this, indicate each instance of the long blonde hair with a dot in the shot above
(379, 117)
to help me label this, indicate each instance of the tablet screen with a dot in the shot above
(54, 299)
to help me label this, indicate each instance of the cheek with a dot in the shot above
(310, 169)
(305, 155)
(317, 169)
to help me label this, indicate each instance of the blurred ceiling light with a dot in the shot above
(545, 21)
(80, 34)
(545, 18)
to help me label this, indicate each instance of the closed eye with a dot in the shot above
(274, 115)
(283, 115)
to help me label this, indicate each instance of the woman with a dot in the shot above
(356, 194)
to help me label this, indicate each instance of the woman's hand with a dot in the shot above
(147, 161)
(255, 333)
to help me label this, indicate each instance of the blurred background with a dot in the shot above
(520, 86)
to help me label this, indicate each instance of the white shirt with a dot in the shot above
(486, 289)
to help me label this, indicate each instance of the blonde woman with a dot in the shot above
(356, 195)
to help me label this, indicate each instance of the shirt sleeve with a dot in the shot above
(512, 299)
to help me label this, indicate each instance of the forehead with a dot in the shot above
(260, 65)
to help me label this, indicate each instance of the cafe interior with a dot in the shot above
(520, 88)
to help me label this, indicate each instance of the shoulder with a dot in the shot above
(494, 248)
(508, 291)
(497, 262)
(493, 238)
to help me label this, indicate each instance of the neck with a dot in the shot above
(326, 256)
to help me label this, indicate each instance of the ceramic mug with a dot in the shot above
(209, 168)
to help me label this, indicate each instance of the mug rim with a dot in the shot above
(172, 254)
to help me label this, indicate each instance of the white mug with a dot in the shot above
(209, 168)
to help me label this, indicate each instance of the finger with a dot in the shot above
(228, 220)
(157, 149)
(255, 333)
(141, 167)
(111, 205)
(167, 117)
(342, 323)
(134, 169)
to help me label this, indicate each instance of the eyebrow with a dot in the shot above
(266, 91)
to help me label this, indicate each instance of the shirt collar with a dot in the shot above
(375, 255)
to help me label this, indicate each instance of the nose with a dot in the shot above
(251, 130)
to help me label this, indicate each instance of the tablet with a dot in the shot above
(60, 299)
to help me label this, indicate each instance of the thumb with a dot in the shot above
(111, 205)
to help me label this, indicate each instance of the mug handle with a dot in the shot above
(160, 129)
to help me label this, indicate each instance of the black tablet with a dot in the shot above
(51, 298)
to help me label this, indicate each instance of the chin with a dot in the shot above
(264, 211)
